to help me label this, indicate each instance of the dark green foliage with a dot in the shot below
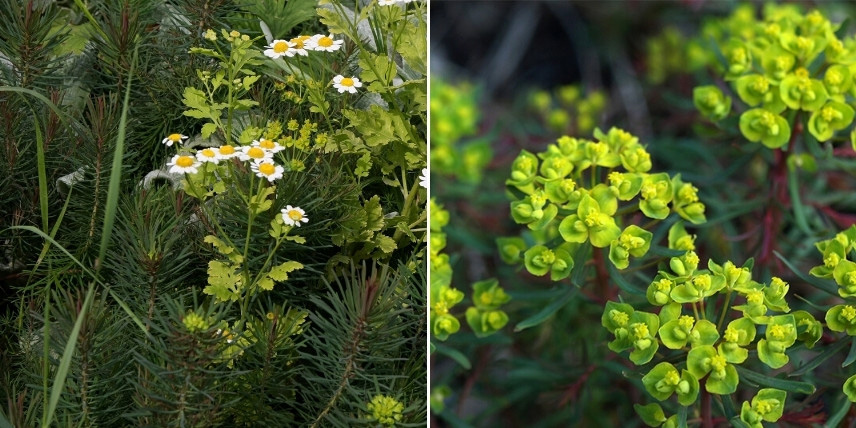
(184, 378)
(365, 340)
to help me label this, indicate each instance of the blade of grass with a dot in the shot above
(115, 173)
(54, 230)
(43, 175)
(67, 353)
(91, 19)
(57, 244)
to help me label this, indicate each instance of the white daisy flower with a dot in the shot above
(349, 84)
(208, 155)
(387, 2)
(320, 42)
(267, 169)
(279, 48)
(299, 45)
(292, 216)
(226, 152)
(174, 138)
(423, 179)
(268, 145)
(183, 164)
(255, 154)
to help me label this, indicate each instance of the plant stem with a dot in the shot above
(725, 306)
(601, 274)
(778, 199)
(706, 417)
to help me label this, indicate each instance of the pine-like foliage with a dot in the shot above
(366, 339)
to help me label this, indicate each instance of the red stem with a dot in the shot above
(779, 198)
(602, 275)
(706, 415)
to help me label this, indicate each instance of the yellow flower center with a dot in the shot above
(755, 297)
(836, 46)
(766, 406)
(783, 63)
(649, 191)
(801, 72)
(631, 242)
(664, 285)
(829, 114)
(184, 161)
(760, 84)
(688, 193)
(831, 260)
(848, 313)
(568, 185)
(548, 257)
(227, 150)
(594, 219)
(267, 144)
(295, 215)
(256, 153)
(280, 47)
(174, 137)
(718, 362)
(738, 55)
(298, 42)
(686, 322)
(772, 29)
(731, 334)
(779, 331)
(804, 43)
(347, 81)
(672, 377)
(691, 258)
(208, 153)
(267, 169)
(685, 243)
(702, 282)
(325, 42)
(486, 299)
(850, 278)
(640, 330)
(834, 77)
(620, 318)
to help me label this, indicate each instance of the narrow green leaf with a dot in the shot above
(661, 251)
(851, 356)
(820, 358)
(682, 417)
(61, 248)
(580, 257)
(91, 19)
(68, 352)
(796, 203)
(116, 172)
(54, 230)
(547, 311)
(819, 283)
(42, 172)
(836, 417)
(621, 282)
(128, 311)
(774, 382)
(38, 96)
(454, 354)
